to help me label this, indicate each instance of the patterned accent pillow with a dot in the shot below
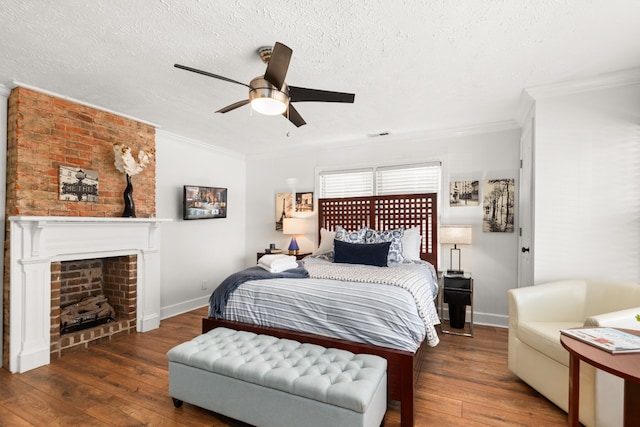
(350, 236)
(393, 236)
(342, 235)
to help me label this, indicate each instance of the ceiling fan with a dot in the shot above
(268, 94)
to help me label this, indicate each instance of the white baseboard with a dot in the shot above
(490, 319)
(183, 307)
(486, 319)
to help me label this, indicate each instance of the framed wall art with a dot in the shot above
(498, 207)
(79, 185)
(204, 202)
(284, 208)
(304, 202)
(464, 193)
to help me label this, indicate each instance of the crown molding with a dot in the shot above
(437, 134)
(86, 104)
(393, 137)
(474, 129)
(602, 81)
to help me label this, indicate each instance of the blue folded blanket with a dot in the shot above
(219, 297)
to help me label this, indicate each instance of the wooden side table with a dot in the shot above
(298, 256)
(626, 366)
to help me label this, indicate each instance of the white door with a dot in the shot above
(525, 250)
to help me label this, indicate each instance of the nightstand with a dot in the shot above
(298, 257)
(457, 292)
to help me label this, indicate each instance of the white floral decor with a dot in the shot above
(125, 162)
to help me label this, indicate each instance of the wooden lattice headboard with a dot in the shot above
(384, 213)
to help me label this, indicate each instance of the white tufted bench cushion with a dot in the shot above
(324, 377)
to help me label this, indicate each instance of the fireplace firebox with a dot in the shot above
(92, 300)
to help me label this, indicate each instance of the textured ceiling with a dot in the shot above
(414, 65)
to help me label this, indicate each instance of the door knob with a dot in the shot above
(525, 250)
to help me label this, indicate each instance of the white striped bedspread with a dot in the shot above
(363, 309)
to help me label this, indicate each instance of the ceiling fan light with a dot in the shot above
(268, 106)
(266, 98)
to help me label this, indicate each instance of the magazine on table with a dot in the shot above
(608, 339)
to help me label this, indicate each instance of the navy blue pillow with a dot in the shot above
(361, 253)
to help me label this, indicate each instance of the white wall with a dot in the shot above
(492, 259)
(587, 183)
(197, 250)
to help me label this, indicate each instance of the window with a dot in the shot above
(349, 183)
(383, 180)
(408, 179)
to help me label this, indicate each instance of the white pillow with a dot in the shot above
(326, 241)
(411, 244)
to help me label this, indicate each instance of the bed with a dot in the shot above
(377, 213)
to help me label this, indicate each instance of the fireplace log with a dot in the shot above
(91, 308)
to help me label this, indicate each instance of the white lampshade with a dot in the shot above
(294, 226)
(455, 234)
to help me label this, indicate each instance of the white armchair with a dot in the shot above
(536, 316)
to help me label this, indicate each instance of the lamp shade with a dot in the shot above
(455, 234)
(294, 226)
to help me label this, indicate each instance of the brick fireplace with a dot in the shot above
(114, 278)
(44, 133)
(38, 243)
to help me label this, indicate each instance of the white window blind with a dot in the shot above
(351, 183)
(408, 179)
(384, 180)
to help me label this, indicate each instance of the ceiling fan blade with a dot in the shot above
(233, 106)
(301, 94)
(205, 73)
(294, 117)
(278, 65)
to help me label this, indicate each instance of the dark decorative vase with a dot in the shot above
(129, 206)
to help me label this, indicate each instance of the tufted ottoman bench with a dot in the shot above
(267, 381)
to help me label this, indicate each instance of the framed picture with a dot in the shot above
(498, 205)
(284, 208)
(204, 202)
(464, 193)
(304, 202)
(78, 185)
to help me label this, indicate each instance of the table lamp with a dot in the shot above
(455, 235)
(293, 226)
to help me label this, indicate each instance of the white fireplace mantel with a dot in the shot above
(36, 241)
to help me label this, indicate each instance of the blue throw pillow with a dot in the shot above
(361, 253)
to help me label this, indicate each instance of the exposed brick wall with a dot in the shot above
(45, 132)
(120, 279)
(79, 280)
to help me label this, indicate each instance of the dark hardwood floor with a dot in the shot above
(464, 382)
